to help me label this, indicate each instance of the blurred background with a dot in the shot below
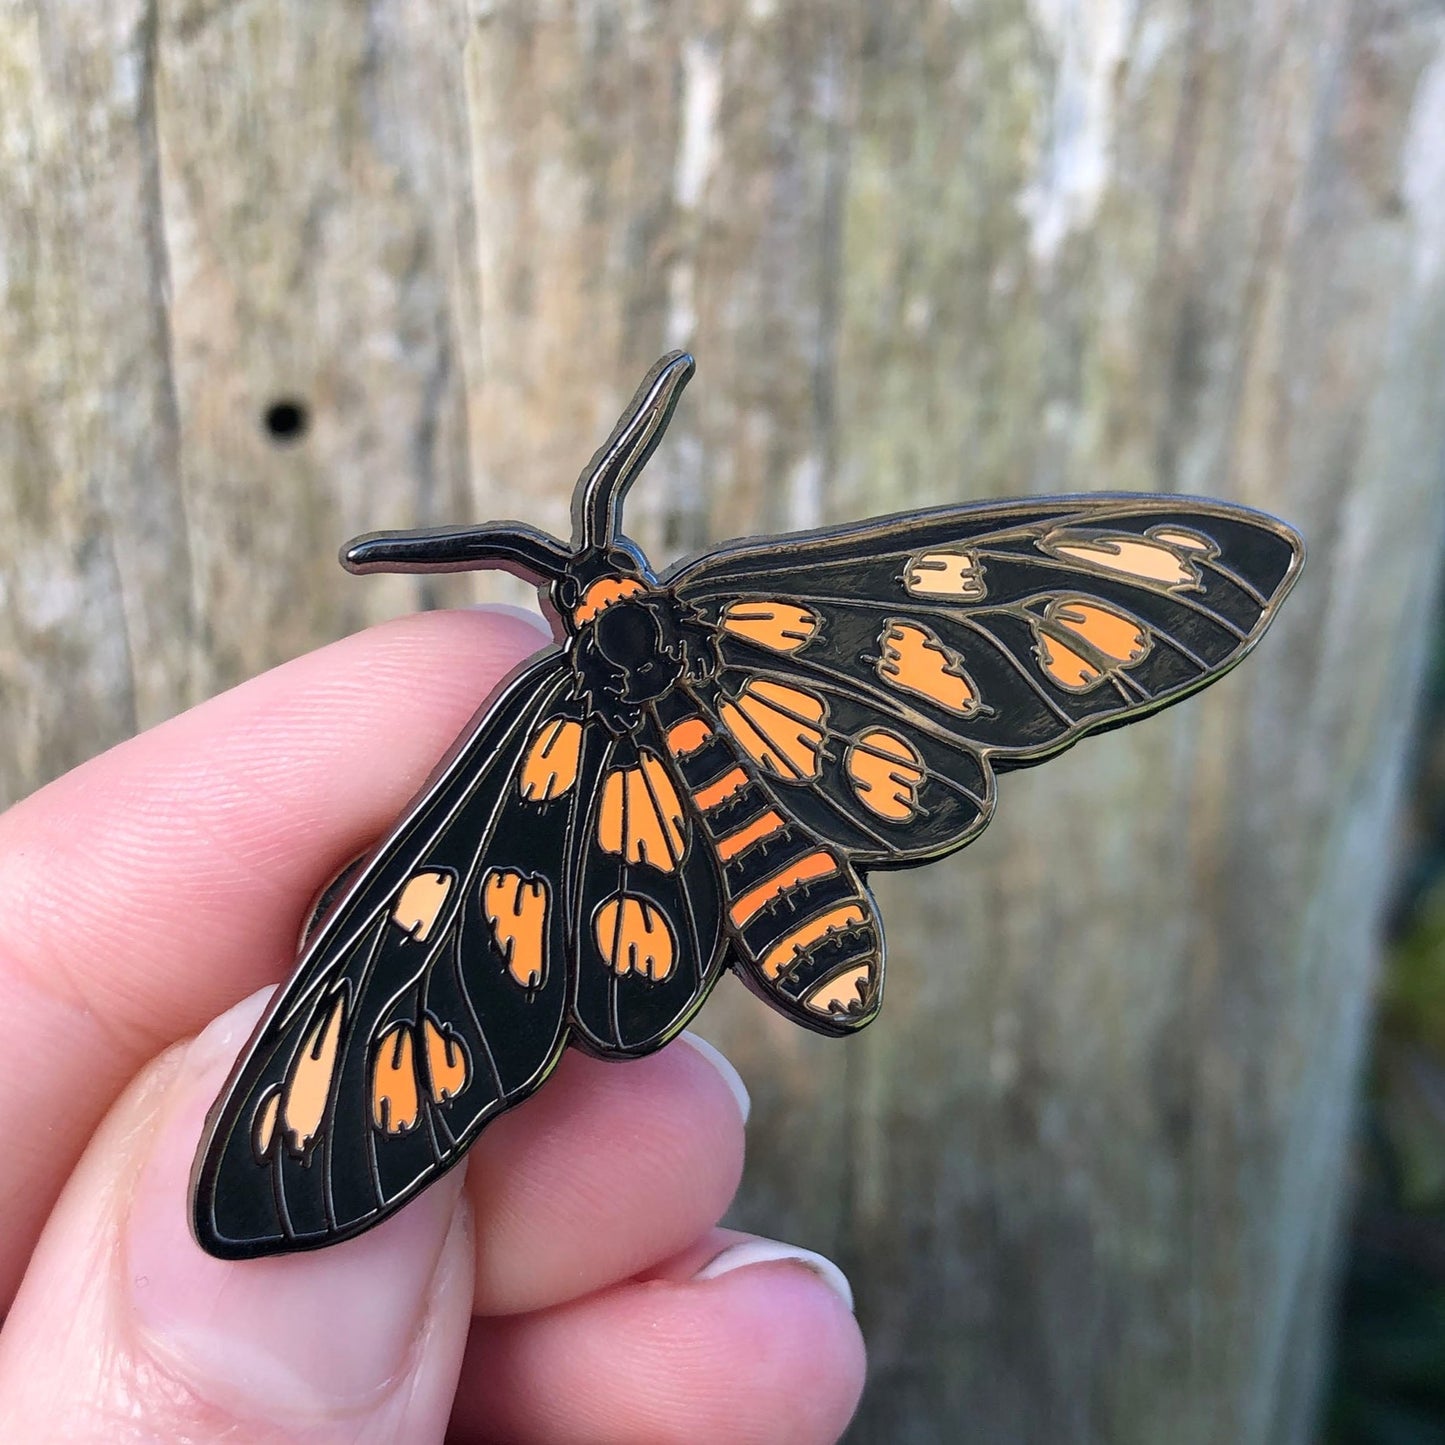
(1120, 1161)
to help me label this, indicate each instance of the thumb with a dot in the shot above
(122, 1322)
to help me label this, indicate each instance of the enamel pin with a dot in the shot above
(697, 775)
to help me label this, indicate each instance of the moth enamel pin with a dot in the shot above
(697, 775)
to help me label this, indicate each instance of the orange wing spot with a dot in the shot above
(686, 737)
(550, 767)
(308, 1085)
(781, 626)
(420, 903)
(782, 955)
(395, 1098)
(516, 907)
(913, 659)
(743, 838)
(946, 574)
(634, 937)
(640, 816)
(779, 727)
(1110, 640)
(263, 1130)
(844, 993)
(446, 1062)
(1186, 539)
(602, 594)
(801, 870)
(1146, 561)
(885, 771)
(721, 789)
(1110, 633)
(1067, 668)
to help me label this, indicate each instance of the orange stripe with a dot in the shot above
(780, 955)
(811, 865)
(747, 835)
(687, 736)
(725, 787)
(602, 594)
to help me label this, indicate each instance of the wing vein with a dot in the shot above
(701, 966)
(1188, 603)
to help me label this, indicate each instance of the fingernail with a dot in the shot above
(749, 1252)
(289, 1337)
(723, 1065)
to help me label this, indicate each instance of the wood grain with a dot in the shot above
(1086, 1172)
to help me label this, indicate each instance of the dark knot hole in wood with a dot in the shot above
(286, 421)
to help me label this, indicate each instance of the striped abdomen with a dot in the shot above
(800, 917)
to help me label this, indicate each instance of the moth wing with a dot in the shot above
(921, 654)
(842, 765)
(430, 997)
(645, 909)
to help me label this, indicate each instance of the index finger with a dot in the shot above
(149, 889)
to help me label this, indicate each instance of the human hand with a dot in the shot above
(567, 1283)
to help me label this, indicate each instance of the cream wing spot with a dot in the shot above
(1143, 559)
(946, 573)
(1186, 539)
(263, 1130)
(308, 1084)
(420, 902)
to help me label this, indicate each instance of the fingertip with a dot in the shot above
(527, 616)
(761, 1354)
(725, 1069)
(611, 1168)
(792, 1311)
(750, 1253)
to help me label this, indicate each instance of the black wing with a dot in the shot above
(906, 661)
(431, 997)
(645, 909)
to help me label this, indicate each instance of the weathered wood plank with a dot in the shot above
(97, 568)
(1086, 1172)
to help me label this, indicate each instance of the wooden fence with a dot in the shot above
(273, 274)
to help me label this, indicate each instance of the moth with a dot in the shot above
(698, 775)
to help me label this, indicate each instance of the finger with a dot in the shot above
(157, 884)
(607, 1170)
(124, 1329)
(741, 1341)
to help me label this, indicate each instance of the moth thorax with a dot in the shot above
(639, 637)
(629, 633)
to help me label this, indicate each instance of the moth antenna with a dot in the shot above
(597, 501)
